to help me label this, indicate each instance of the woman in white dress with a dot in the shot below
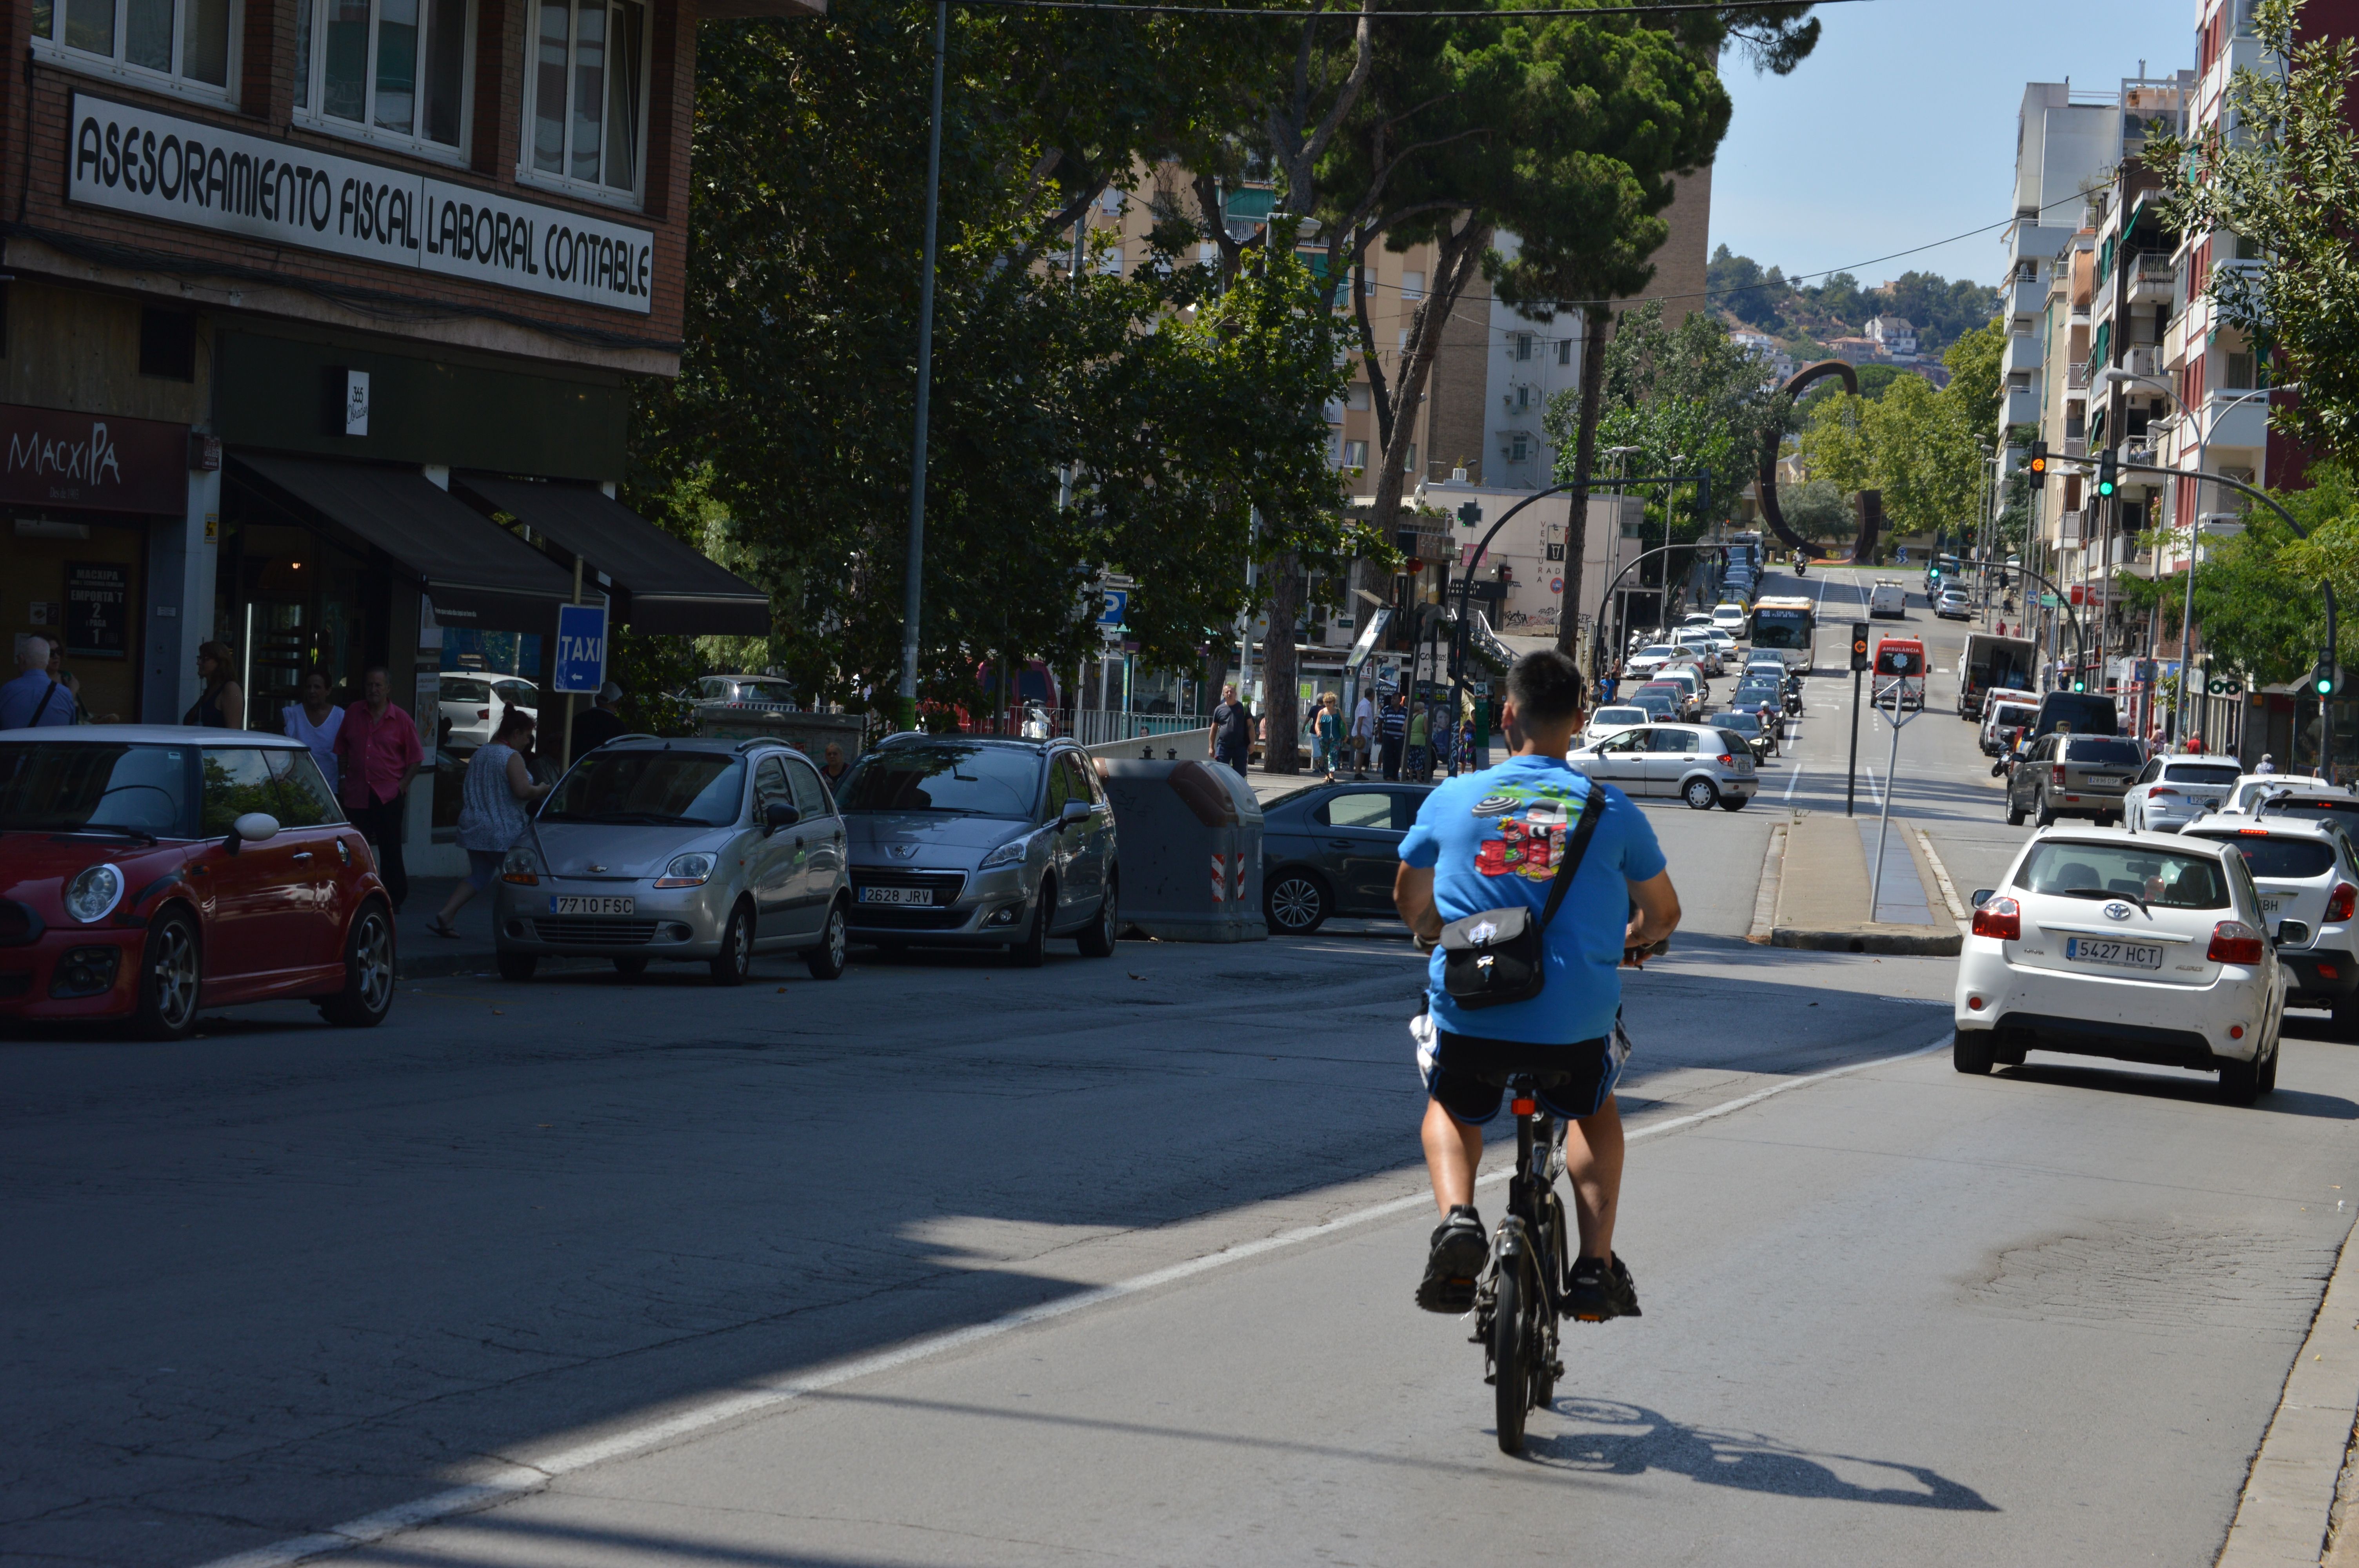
(315, 721)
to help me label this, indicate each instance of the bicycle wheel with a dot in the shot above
(1545, 1367)
(1511, 1339)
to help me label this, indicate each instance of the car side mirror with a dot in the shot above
(1075, 811)
(1982, 896)
(253, 827)
(777, 815)
(2291, 934)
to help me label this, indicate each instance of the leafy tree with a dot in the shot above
(1816, 510)
(1739, 286)
(1922, 448)
(2287, 181)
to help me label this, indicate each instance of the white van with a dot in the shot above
(1887, 599)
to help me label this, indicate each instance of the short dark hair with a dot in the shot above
(1547, 687)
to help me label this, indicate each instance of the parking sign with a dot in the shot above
(580, 647)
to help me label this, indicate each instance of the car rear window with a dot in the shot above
(2162, 877)
(2099, 751)
(1619, 715)
(2085, 712)
(2010, 714)
(2331, 808)
(1745, 723)
(2280, 855)
(2200, 774)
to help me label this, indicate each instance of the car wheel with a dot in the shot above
(2046, 815)
(826, 961)
(2240, 1082)
(631, 968)
(1029, 953)
(1734, 803)
(367, 995)
(518, 966)
(1970, 1050)
(735, 959)
(1097, 940)
(171, 973)
(1699, 795)
(1296, 904)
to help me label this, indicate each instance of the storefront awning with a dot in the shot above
(477, 573)
(661, 584)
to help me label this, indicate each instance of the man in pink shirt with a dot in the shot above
(377, 754)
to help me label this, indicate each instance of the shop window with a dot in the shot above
(385, 70)
(190, 45)
(168, 344)
(586, 109)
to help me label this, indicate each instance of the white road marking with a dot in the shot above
(517, 1481)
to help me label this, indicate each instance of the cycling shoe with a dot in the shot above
(1456, 1257)
(1596, 1289)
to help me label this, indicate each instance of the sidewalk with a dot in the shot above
(1823, 888)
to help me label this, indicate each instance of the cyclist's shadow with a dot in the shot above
(1616, 1439)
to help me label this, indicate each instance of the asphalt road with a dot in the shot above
(740, 1279)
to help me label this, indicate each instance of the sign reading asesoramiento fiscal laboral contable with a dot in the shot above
(162, 166)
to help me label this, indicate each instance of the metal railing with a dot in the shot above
(1097, 727)
(2076, 376)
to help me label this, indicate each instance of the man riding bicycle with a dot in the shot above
(1490, 840)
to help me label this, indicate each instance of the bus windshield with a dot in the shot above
(1781, 628)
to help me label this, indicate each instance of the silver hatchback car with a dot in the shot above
(965, 841)
(1700, 763)
(704, 849)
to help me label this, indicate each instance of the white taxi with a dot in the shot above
(2138, 947)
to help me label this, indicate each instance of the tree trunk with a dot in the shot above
(1459, 256)
(1281, 708)
(1598, 321)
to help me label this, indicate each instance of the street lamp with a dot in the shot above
(2116, 375)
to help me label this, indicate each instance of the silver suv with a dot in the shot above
(2308, 877)
(961, 841)
(1700, 763)
(689, 848)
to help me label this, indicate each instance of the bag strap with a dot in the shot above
(46, 696)
(1569, 868)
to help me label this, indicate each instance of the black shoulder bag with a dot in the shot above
(1498, 955)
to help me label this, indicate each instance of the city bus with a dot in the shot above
(1787, 626)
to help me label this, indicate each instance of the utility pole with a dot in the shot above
(913, 589)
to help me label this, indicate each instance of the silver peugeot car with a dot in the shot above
(966, 841)
(705, 850)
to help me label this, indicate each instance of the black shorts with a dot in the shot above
(1467, 1074)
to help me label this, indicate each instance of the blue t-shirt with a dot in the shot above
(21, 698)
(1492, 839)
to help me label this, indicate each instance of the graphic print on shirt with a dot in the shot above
(1534, 827)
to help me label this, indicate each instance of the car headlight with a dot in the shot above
(690, 871)
(94, 893)
(522, 866)
(1008, 854)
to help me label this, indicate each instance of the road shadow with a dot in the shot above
(2127, 1080)
(1617, 1438)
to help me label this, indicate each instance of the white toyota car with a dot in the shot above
(2138, 947)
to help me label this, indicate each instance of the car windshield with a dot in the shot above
(2200, 774)
(945, 775)
(1780, 628)
(2163, 879)
(51, 787)
(2273, 855)
(650, 789)
(2102, 751)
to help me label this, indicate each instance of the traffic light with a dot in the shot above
(2109, 478)
(1470, 513)
(2036, 463)
(1859, 644)
(2326, 679)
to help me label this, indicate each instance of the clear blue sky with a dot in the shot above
(1900, 129)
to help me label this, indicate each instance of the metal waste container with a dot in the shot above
(1190, 845)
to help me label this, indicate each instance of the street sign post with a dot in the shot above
(580, 647)
(1901, 664)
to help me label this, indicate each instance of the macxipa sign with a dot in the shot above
(91, 461)
(162, 166)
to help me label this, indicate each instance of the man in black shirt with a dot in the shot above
(600, 724)
(1231, 731)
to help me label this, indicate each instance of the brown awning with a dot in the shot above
(660, 582)
(477, 573)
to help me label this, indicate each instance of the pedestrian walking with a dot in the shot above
(1233, 728)
(316, 721)
(223, 705)
(32, 701)
(2268, 764)
(1392, 734)
(1327, 728)
(498, 787)
(1417, 764)
(377, 754)
(1608, 684)
(600, 724)
(1364, 731)
(835, 767)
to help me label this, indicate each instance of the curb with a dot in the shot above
(1910, 941)
(1764, 897)
(2289, 1493)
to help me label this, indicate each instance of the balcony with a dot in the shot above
(2076, 446)
(2144, 360)
(2076, 376)
(2153, 280)
(2068, 529)
(2024, 299)
(2230, 423)
(2022, 354)
(2021, 406)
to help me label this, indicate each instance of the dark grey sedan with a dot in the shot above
(1332, 849)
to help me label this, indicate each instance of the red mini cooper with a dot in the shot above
(147, 870)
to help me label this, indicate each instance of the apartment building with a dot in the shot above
(318, 321)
